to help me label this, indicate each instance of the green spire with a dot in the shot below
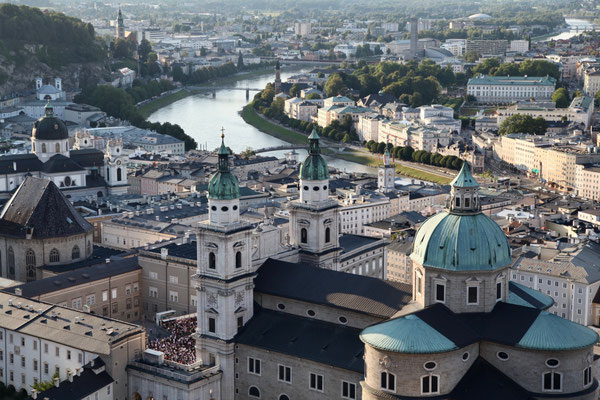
(223, 185)
(314, 166)
(313, 143)
(464, 179)
(48, 110)
(223, 153)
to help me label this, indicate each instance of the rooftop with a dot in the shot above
(311, 284)
(512, 80)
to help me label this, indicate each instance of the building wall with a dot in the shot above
(399, 267)
(409, 369)
(271, 388)
(115, 297)
(127, 237)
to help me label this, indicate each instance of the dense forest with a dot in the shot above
(57, 39)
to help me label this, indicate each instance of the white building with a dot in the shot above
(49, 92)
(580, 111)
(505, 89)
(519, 46)
(302, 28)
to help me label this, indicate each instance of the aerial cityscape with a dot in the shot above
(284, 200)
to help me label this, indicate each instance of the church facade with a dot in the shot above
(81, 172)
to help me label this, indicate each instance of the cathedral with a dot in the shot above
(81, 172)
(297, 330)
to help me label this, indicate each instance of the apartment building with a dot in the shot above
(38, 339)
(519, 150)
(357, 210)
(399, 267)
(580, 111)
(507, 89)
(591, 81)
(558, 164)
(110, 289)
(571, 278)
(487, 47)
(587, 181)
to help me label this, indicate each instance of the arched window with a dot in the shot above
(75, 253)
(388, 381)
(89, 247)
(284, 397)
(327, 235)
(552, 381)
(254, 392)
(30, 258)
(212, 260)
(457, 201)
(430, 384)
(57, 147)
(43, 147)
(54, 256)
(119, 174)
(31, 274)
(238, 259)
(303, 235)
(11, 263)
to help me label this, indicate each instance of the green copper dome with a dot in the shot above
(50, 127)
(223, 185)
(461, 239)
(551, 332)
(409, 334)
(314, 167)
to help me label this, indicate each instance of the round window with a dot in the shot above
(67, 181)
(552, 362)
(324, 187)
(465, 356)
(311, 313)
(305, 187)
(224, 208)
(502, 355)
(430, 365)
(235, 207)
(281, 306)
(343, 320)
(315, 188)
(214, 208)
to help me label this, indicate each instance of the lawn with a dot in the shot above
(251, 117)
(159, 103)
(422, 175)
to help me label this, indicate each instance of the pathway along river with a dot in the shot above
(202, 117)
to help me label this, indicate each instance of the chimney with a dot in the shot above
(70, 375)
(164, 253)
(92, 363)
(107, 260)
(78, 371)
(18, 292)
(56, 382)
(34, 394)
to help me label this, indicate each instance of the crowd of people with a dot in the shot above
(179, 346)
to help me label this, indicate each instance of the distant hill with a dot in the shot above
(47, 44)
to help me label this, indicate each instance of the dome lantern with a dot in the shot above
(223, 185)
(314, 167)
(464, 195)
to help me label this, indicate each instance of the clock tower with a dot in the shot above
(115, 171)
(386, 174)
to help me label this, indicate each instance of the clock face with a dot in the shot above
(119, 162)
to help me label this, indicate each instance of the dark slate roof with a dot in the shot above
(484, 381)
(323, 342)
(39, 205)
(351, 242)
(77, 277)
(59, 163)
(87, 157)
(91, 380)
(99, 256)
(311, 284)
(185, 250)
(23, 162)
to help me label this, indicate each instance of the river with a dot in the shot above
(575, 27)
(202, 117)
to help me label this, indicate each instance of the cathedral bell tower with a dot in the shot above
(277, 78)
(386, 173)
(115, 171)
(314, 218)
(224, 278)
(119, 26)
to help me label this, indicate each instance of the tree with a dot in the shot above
(295, 90)
(335, 85)
(41, 386)
(561, 98)
(202, 51)
(240, 63)
(523, 124)
(144, 49)
(122, 49)
(313, 96)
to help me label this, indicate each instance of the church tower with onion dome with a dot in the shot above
(224, 276)
(386, 174)
(314, 217)
(49, 136)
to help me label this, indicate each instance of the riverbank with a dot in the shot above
(251, 117)
(147, 109)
